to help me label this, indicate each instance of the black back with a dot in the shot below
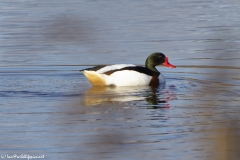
(133, 68)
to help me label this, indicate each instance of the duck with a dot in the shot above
(129, 74)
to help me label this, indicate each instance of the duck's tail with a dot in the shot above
(94, 78)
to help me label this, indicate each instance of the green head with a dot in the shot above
(156, 59)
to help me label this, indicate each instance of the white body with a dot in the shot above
(123, 77)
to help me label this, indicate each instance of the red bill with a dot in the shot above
(167, 64)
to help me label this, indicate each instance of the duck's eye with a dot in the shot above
(159, 57)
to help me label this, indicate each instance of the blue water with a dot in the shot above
(47, 107)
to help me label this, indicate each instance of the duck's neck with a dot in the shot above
(151, 66)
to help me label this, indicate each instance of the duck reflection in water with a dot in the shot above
(151, 97)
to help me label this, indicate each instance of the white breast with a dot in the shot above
(127, 78)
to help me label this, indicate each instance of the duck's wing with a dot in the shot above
(107, 68)
(96, 68)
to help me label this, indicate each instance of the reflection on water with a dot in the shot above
(154, 97)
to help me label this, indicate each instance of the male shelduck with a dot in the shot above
(129, 74)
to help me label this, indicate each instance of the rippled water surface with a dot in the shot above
(47, 107)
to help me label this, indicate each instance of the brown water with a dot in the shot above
(47, 107)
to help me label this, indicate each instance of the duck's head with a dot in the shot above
(156, 59)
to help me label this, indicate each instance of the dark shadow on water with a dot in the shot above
(71, 29)
(36, 94)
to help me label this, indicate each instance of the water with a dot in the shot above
(49, 108)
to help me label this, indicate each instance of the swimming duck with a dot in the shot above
(129, 74)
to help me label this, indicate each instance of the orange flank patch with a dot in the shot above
(154, 81)
(94, 78)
